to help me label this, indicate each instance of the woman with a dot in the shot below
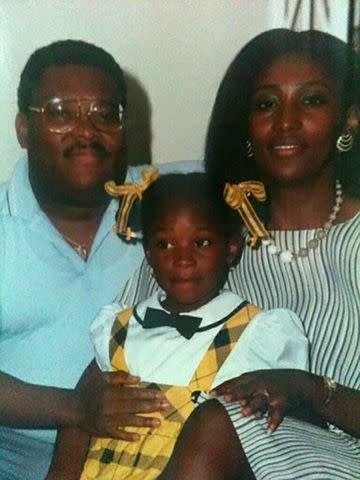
(287, 113)
(295, 97)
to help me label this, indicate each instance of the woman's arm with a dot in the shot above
(207, 448)
(340, 407)
(294, 392)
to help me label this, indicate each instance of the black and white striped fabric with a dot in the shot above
(324, 290)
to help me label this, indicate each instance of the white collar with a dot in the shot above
(218, 308)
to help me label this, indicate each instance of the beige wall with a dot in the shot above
(174, 51)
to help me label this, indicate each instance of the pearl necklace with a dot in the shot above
(287, 256)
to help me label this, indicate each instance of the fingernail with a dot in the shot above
(155, 423)
(165, 404)
(159, 396)
(270, 429)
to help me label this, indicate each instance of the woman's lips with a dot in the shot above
(287, 149)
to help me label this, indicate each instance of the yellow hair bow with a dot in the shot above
(236, 196)
(130, 193)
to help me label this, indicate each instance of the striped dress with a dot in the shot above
(324, 290)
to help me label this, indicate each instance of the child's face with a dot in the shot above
(189, 256)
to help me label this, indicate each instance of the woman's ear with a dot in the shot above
(22, 129)
(352, 119)
(235, 247)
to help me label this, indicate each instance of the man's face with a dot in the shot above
(72, 167)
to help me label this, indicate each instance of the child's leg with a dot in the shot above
(208, 447)
(70, 454)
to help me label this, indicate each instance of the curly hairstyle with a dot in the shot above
(225, 154)
(67, 52)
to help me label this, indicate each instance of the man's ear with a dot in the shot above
(22, 129)
(235, 247)
(147, 254)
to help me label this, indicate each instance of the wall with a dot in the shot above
(174, 51)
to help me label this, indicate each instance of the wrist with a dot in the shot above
(71, 411)
(310, 390)
(330, 387)
(323, 389)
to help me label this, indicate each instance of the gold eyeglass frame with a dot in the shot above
(79, 113)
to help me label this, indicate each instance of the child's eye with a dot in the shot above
(202, 242)
(163, 244)
(315, 99)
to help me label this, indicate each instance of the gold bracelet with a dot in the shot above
(330, 386)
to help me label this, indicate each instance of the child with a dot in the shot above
(192, 337)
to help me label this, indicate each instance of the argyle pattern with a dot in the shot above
(146, 459)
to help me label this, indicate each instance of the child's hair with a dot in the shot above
(175, 190)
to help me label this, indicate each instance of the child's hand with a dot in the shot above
(275, 392)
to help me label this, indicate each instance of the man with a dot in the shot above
(59, 260)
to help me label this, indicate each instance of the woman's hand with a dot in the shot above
(275, 392)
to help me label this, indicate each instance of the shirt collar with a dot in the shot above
(215, 310)
(23, 203)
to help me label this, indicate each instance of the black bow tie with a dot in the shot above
(186, 325)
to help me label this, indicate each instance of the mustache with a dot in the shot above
(79, 145)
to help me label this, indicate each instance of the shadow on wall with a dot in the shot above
(138, 123)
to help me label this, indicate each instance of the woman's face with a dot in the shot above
(293, 116)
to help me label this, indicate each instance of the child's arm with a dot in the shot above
(69, 455)
(208, 447)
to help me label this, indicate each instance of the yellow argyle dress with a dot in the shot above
(144, 460)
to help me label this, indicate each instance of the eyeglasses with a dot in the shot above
(61, 116)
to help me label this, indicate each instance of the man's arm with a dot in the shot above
(23, 405)
(100, 404)
(208, 447)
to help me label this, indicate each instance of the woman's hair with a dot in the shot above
(225, 151)
(67, 52)
(173, 191)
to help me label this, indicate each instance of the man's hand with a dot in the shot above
(275, 392)
(108, 402)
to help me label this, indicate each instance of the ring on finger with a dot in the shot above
(266, 393)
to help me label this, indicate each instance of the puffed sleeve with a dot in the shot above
(100, 332)
(273, 339)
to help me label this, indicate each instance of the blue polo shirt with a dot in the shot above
(48, 298)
